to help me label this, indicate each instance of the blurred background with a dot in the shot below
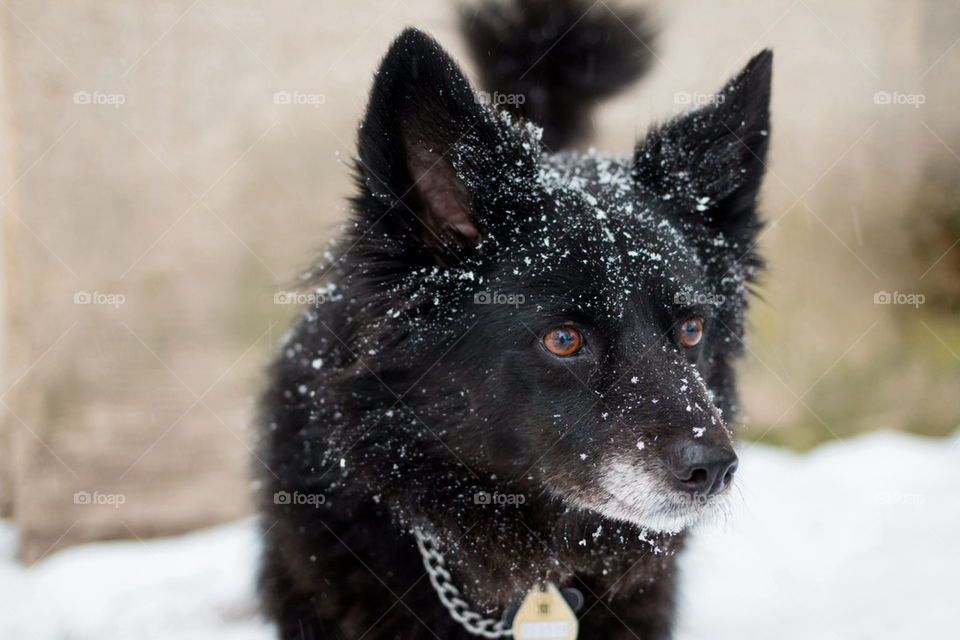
(166, 169)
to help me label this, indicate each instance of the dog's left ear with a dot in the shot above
(710, 160)
(431, 155)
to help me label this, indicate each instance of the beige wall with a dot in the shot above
(199, 197)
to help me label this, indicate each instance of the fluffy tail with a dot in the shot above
(551, 61)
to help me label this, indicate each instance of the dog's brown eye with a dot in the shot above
(691, 332)
(562, 342)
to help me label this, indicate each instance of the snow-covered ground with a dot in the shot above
(857, 539)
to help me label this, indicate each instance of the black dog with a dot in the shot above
(518, 367)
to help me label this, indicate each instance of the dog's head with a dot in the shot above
(585, 309)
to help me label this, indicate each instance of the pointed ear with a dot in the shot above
(711, 160)
(424, 139)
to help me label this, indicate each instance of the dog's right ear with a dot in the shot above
(711, 160)
(427, 150)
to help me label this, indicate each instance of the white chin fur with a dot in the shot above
(639, 497)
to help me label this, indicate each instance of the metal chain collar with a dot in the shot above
(449, 595)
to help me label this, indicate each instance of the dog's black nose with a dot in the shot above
(703, 469)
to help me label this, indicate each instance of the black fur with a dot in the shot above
(400, 394)
(562, 57)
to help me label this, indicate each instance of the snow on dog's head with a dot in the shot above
(538, 313)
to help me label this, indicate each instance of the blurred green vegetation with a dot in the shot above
(905, 372)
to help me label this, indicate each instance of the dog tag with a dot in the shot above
(545, 615)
